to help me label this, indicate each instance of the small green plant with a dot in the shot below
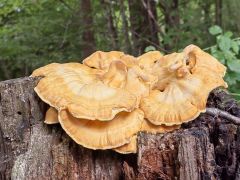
(226, 50)
(149, 48)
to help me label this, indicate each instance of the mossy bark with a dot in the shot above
(207, 148)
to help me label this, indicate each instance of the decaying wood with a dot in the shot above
(206, 148)
(224, 114)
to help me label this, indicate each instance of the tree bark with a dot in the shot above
(206, 148)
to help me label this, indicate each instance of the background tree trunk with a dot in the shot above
(128, 46)
(4, 69)
(112, 30)
(88, 32)
(172, 20)
(218, 12)
(144, 28)
(206, 148)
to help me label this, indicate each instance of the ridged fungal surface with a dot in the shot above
(104, 102)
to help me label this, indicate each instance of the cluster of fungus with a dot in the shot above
(104, 102)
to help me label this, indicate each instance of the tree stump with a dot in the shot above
(206, 148)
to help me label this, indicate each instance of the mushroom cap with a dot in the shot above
(102, 135)
(129, 61)
(51, 116)
(129, 77)
(99, 102)
(88, 74)
(181, 92)
(128, 148)
(147, 60)
(155, 129)
(116, 75)
(77, 88)
(139, 82)
(102, 60)
(199, 58)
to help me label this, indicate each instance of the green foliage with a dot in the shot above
(149, 48)
(34, 33)
(214, 30)
(226, 50)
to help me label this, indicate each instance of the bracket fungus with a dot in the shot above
(129, 61)
(102, 135)
(79, 89)
(116, 75)
(184, 83)
(104, 102)
(139, 82)
(128, 148)
(101, 59)
(147, 60)
(51, 116)
(156, 129)
(200, 59)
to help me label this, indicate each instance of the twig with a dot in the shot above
(235, 94)
(217, 112)
(152, 43)
(150, 14)
(65, 32)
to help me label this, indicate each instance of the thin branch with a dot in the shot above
(217, 112)
(148, 9)
(152, 43)
(235, 94)
(162, 5)
(65, 33)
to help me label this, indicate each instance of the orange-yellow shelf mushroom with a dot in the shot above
(99, 134)
(124, 70)
(116, 75)
(101, 59)
(104, 102)
(157, 129)
(200, 59)
(51, 116)
(184, 83)
(128, 148)
(76, 87)
(129, 76)
(139, 82)
(147, 60)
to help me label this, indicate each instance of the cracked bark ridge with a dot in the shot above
(206, 148)
(186, 154)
